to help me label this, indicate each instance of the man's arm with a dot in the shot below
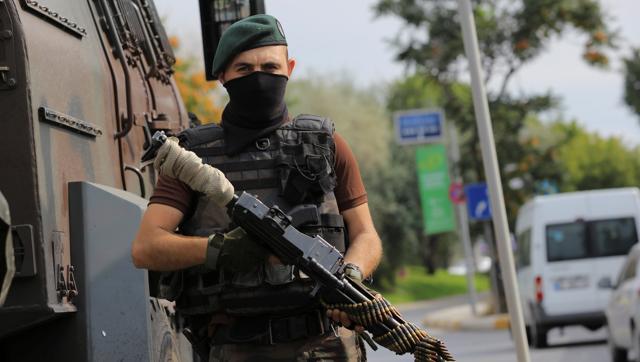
(365, 251)
(158, 247)
(365, 247)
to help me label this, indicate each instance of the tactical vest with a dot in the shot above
(292, 167)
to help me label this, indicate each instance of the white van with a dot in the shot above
(566, 244)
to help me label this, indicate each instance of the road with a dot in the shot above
(575, 344)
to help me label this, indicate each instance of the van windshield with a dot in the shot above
(589, 239)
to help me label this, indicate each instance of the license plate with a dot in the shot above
(572, 282)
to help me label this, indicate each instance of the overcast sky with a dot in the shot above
(341, 36)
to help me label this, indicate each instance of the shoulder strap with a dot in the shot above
(196, 136)
(310, 122)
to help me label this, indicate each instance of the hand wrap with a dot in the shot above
(176, 162)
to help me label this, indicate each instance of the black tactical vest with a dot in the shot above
(293, 168)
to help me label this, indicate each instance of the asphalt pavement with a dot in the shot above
(495, 344)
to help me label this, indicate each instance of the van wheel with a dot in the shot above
(527, 330)
(538, 336)
(618, 354)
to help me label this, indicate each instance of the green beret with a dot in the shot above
(249, 33)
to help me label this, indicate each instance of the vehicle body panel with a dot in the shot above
(71, 118)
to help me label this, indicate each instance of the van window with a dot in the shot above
(590, 239)
(566, 241)
(523, 251)
(613, 237)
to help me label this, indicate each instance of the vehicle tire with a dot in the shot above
(635, 346)
(165, 341)
(617, 354)
(527, 330)
(538, 336)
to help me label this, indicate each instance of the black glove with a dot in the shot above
(234, 251)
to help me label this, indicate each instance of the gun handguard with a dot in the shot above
(323, 263)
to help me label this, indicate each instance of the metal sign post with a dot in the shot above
(463, 221)
(492, 172)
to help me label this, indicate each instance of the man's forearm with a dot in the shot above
(162, 250)
(365, 251)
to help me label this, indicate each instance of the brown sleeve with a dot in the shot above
(174, 193)
(350, 191)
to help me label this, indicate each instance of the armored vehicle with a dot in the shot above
(83, 85)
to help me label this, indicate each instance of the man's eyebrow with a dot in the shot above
(241, 64)
(270, 63)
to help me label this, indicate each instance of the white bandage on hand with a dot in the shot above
(176, 162)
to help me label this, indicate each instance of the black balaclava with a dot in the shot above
(256, 108)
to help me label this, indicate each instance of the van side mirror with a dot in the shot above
(606, 283)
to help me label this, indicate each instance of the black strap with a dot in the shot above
(332, 220)
(247, 165)
(210, 151)
(273, 330)
(255, 184)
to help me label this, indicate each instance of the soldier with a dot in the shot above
(233, 294)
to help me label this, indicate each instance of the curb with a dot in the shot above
(491, 322)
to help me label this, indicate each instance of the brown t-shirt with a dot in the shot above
(349, 190)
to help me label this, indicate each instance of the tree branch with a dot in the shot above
(489, 70)
(503, 89)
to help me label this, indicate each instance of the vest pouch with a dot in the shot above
(300, 188)
(200, 291)
(170, 285)
(278, 274)
(268, 299)
(248, 279)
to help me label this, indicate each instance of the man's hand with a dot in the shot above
(341, 317)
(354, 273)
(239, 253)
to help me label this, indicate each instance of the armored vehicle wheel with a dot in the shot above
(7, 267)
(169, 346)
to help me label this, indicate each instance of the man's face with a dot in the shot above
(269, 59)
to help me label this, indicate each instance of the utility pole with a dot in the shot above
(492, 172)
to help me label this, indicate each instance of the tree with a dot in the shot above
(198, 94)
(511, 34)
(632, 81)
(593, 162)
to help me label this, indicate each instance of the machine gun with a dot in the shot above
(313, 256)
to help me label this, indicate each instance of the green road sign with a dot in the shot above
(433, 181)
